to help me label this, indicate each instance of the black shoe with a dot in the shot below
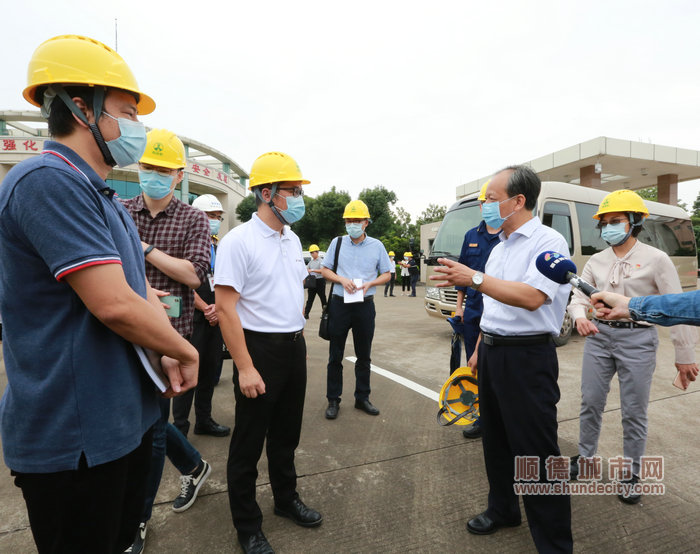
(306, 316)
(190, 485)
(366, 406)
(393, 295)
(473, 431)
(573, 467)
(139, 541)
(212, 428)
(255, 544)
(300, 514)
(332, 410)
(630, 498)
(484, 525)
(412, 295)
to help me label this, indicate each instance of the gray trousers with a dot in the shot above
(631, 353)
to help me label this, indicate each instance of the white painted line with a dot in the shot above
(420, 389)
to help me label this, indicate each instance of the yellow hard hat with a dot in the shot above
(164, 149)
(459, 398)
(482, 193)
(274, 167)
(407, 255)
(356, 209)
(622, 201)
(78, 60)
(391, 253)
(314, 248)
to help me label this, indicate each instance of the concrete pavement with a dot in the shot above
(400, 483)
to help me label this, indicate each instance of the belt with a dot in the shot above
(293, 336)
(623, 324)
(515, 340)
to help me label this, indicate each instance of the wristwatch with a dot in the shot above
(148, 250)
(477, 279)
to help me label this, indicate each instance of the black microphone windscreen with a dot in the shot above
(554, 266)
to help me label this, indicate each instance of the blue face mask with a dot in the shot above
(295, 209)
(615, 235)
(128, 148)
(355, 230)
(214, 226)
(491, 214)
(155, 186)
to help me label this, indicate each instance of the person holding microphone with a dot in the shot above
(627, 348)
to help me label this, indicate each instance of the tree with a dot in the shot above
(246, 208)
(649, 193)
(431, 214)
(323, 220)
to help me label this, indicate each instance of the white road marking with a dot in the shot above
(420, 389)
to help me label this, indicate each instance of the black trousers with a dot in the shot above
(390, 285)
(277, 415)
(518, 395)
(96, 509)
(358, 316)
(319, 289)
(209, 343)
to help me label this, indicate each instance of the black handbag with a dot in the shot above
(310, 281)
(323, 330)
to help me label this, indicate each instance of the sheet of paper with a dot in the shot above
(151, 363)
(357, 296)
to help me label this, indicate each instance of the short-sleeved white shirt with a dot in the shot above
(513, 259)
(267, 269)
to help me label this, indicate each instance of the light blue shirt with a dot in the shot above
(513, 259)
(364, 260)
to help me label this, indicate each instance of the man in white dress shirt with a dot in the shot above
(516, 359)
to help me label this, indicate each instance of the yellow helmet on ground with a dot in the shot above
(408, 255)
(622, 201)
(164, 149)
(459, 398)
(78, 60)
(356, 209)
(314, 248)
(391, 253)
(274, 167)
(482, 193)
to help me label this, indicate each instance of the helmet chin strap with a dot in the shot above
(97, 102)
(271, 204)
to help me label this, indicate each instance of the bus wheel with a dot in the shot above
(567, 327)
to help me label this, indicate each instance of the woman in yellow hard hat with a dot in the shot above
(389, 287)
(626, 348)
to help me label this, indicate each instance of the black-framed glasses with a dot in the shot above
(212, 216)
(296, 192)
(614, 221)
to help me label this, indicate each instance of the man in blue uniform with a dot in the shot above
(477, 245)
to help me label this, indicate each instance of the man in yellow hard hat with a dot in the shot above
(78, 408)
(175, 241)
(260, 299)
(362, 265)
(314, 283)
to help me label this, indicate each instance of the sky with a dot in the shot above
(419, 97)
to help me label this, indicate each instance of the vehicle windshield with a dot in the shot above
(448, 242)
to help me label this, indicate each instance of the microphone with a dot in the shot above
(562, 270)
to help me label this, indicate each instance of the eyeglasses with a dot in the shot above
(212, 216)
(163, 172)
(296, 192)
(614, 221)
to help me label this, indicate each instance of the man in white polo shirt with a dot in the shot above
(260, 299)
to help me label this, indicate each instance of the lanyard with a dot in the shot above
(212, 259)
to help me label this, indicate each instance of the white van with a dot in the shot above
(569, 209)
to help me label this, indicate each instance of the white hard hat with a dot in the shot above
(208, 203)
